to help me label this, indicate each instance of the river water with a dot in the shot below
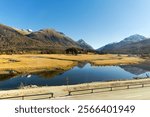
(83, 73)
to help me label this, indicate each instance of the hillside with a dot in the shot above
(23, 31)
(13, 40)
(134, 44)
(84, 45)
(53, 39)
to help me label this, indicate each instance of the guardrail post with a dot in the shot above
(111, 88)
(142, 85)
(91, 90)
(52, 94)
(69, 93)
(128, 87)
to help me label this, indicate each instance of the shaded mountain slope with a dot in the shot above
(84, 45)
(53, 39)
(134, 44)
(13, 40)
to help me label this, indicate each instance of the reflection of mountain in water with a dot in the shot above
(81, 64)
(49, 74)
(6, 76)
(137, 69)
(133, 70)
(145, 66)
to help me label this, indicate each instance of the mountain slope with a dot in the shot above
(130, 44)
(141, 47)
(23, 31)
(11, 40)
(54, 39)
(134, 38)
(84, 45)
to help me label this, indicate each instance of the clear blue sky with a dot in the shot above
(98, 22)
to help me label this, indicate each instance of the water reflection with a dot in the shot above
(83, 73)
(49, 74)
(4, 77)
(82, 64)
(137, 69)
(134, 70)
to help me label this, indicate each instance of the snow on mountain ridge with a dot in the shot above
(134, 38)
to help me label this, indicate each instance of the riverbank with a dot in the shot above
(61, 91)
(28, 63)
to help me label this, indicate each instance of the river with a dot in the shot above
(83, 73)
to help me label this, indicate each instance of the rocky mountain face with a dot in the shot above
(130, 45)
(14, 40)
(84, 45)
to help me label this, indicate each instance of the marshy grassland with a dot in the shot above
(41, 62)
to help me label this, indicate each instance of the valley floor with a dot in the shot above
(28, 63)
(41, 62)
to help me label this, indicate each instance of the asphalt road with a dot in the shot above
(127, 94)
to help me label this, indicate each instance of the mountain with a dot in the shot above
(13, 40)
(84, 45)
(141, 47)
(23, 31)
(130, 44)
(53, 39)
(134, 38)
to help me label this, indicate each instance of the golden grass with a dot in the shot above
(118, 61)
(3, 61)
(107, 59)
(39, 62)
(82, 57)
(30, 63)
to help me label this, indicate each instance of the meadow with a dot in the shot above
(28, 63)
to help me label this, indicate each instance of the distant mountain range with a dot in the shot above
(13, 40)
(134, 44)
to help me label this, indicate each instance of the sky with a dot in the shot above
(98, 22)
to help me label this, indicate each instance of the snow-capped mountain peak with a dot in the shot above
(134, 38)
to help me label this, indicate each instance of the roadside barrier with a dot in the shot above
(33, 97)
(71, 92)
(111, 88)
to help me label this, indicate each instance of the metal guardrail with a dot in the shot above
(70, 93)
(111, 88)
(23, 97)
